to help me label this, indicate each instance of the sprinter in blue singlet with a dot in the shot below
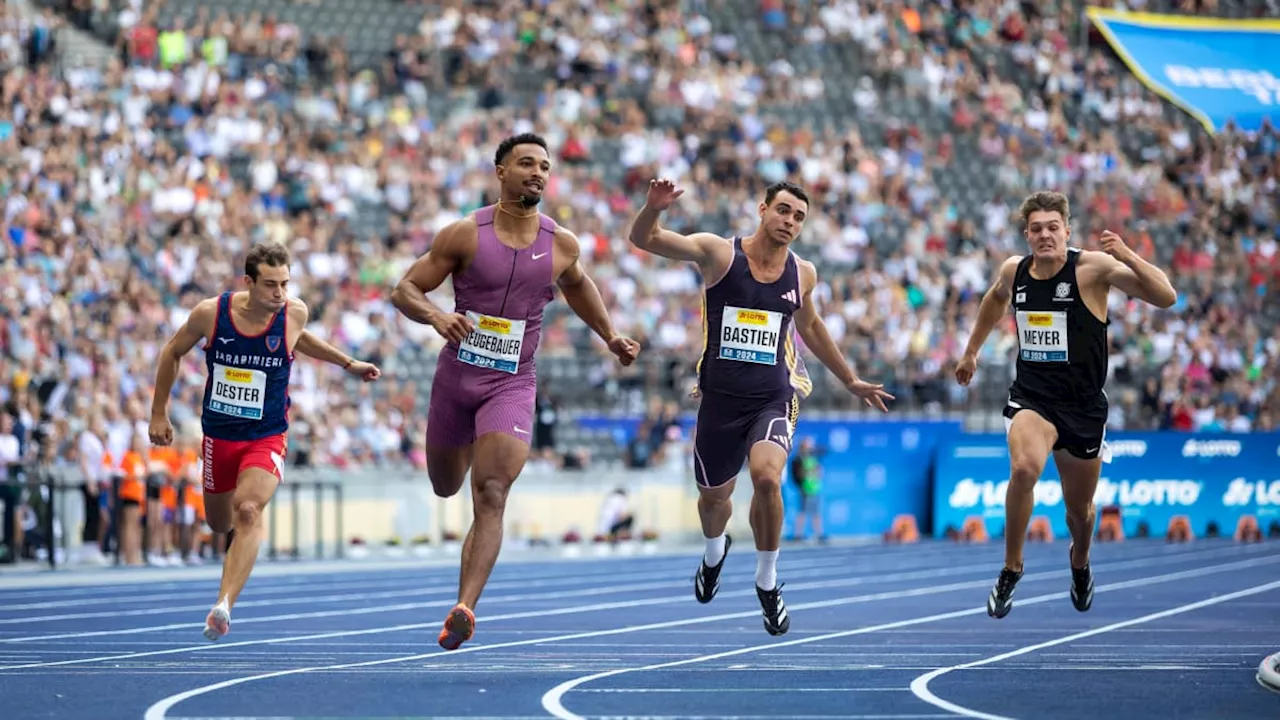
(250, 338)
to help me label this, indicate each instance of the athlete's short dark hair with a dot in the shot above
(1045, 201)
(272, 253)
(506, 146)
(772, 191)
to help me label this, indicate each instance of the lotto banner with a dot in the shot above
(1152, 477)
(1217, 70)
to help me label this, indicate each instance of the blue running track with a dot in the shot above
(892, 633)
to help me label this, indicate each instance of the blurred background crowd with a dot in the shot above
(146, 144)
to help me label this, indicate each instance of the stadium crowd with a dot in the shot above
(132, 190)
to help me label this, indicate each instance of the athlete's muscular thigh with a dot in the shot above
(720, 442)
(499, 459)
(769, 444)
(221, 467)
(218, 510)
(254, 489)
(447, 468)
(765, 462)
(451, 428)
(508, 408)
(1079, 481)
(1031, 439)
(451, 413)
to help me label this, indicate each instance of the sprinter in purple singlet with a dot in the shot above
(505, 260)
(750, 376)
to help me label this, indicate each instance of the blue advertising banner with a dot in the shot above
(1152, 477)
(1217, 70)
(872, 471)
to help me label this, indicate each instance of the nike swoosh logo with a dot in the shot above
(1022, 287)
(521, 430)
(538, 257)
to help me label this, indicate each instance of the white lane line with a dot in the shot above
(383, 587)
(920, 686)
(891, 716)
(158, 710)
(552, 700)
(923, 573)
(64, 583)
(736, 690)
(564, 583)
(617, 605)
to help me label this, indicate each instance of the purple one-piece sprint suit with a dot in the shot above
(488, 383)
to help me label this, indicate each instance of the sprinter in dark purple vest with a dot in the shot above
(758, 296)
(505, 260)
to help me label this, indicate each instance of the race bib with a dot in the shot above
(1042, 336)
(750, 335)
(494, 343)
(238, 392)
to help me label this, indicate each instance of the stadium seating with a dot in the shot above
(917, 139)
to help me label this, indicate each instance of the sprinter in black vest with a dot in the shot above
(750, 375)
(1056, 404)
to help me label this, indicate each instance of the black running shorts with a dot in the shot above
(728, 427)
(1082, 427)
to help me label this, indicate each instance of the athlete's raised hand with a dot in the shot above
(873, 395)
(160, 431)
(625, 348)
(965, 369)
(662, 194)
(453, 327)
(1114, 245)
(363, 370)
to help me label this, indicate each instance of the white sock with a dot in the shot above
(714, 552)
(767, 569)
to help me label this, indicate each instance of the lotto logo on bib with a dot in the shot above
(495, 325)
(1042, 336)
(750, 335)
(238, 392)
(494, 344)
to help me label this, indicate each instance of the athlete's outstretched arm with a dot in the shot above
(199, 324)
(314, 347)
(814, 333)
(995, 303)
(583, 297)
(428, 273)
(1136, 277)
(646, 234)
